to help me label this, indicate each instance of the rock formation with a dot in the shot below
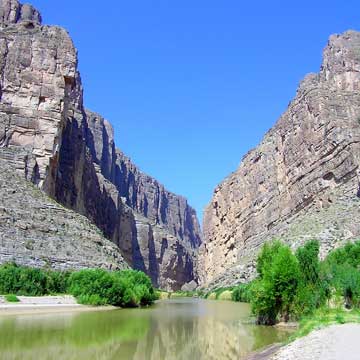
(37, 231)
(69, 152)
(301, 182)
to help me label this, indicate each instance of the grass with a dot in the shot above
(225, 295)
(162, 295)
(325, 317)
(11, 298)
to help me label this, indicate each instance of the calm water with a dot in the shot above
(172, 329)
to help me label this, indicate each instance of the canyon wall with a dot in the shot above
(301, 182)
(69, 152)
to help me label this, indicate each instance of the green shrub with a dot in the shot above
(128, 288)
(242, 293)
(348, 254)
(346, 280)
(22, 280)
(314, 288)
(343, 267)
(94, 300)
(57, 281)
(11, 298)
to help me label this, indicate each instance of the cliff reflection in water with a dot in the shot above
(172, 329)
(200, 329)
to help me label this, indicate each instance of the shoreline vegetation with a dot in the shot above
(97, 287)
(297, 288)
(291, 288)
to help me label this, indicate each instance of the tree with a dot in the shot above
(276, 287)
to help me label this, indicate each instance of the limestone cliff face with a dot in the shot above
(302, 180)
(69, 152)
(37, 231)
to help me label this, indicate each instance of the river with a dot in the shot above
(171, 330)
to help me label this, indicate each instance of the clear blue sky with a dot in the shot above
(190, 86)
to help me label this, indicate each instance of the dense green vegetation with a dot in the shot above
(299, 286)
(128, 288)
(290, 286)
(343, 265)
(28, 281)
(242, 293)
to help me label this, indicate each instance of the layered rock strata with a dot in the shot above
(301, 182)
(69, 152)
(37, 231)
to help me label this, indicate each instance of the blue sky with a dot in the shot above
(190, 86)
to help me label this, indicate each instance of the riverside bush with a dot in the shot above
(128, 288)
(22, 280)
(242, 293)
(314, 287)
(297, 285)
(343, 267)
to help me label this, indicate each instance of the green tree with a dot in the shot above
(308, 257)
(275, 289)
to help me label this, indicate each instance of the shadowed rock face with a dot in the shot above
(69, 152)
(301, 182)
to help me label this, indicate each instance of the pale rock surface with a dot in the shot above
(36, 231)
(69, 152)
(301, 182)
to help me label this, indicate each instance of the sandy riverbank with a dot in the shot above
(335, 342)
(46, 304)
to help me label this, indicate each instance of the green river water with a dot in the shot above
(171, 329)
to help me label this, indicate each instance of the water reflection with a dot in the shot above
(173, 329)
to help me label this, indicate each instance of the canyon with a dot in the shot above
(67, 151)
(71, 199)
(301, 182)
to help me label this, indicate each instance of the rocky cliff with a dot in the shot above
(37, 231)
(301, 182)
(70, 154)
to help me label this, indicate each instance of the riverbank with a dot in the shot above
(331, 343)
(314, 332)
(45, 304)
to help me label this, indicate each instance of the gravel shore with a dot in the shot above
(45, 304)
(336, 342)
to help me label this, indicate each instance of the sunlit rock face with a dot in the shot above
(301, 182)
(69, 152)
(36, 231)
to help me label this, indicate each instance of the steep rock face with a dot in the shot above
(37, 231)
(70, 152)
(301, 182)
